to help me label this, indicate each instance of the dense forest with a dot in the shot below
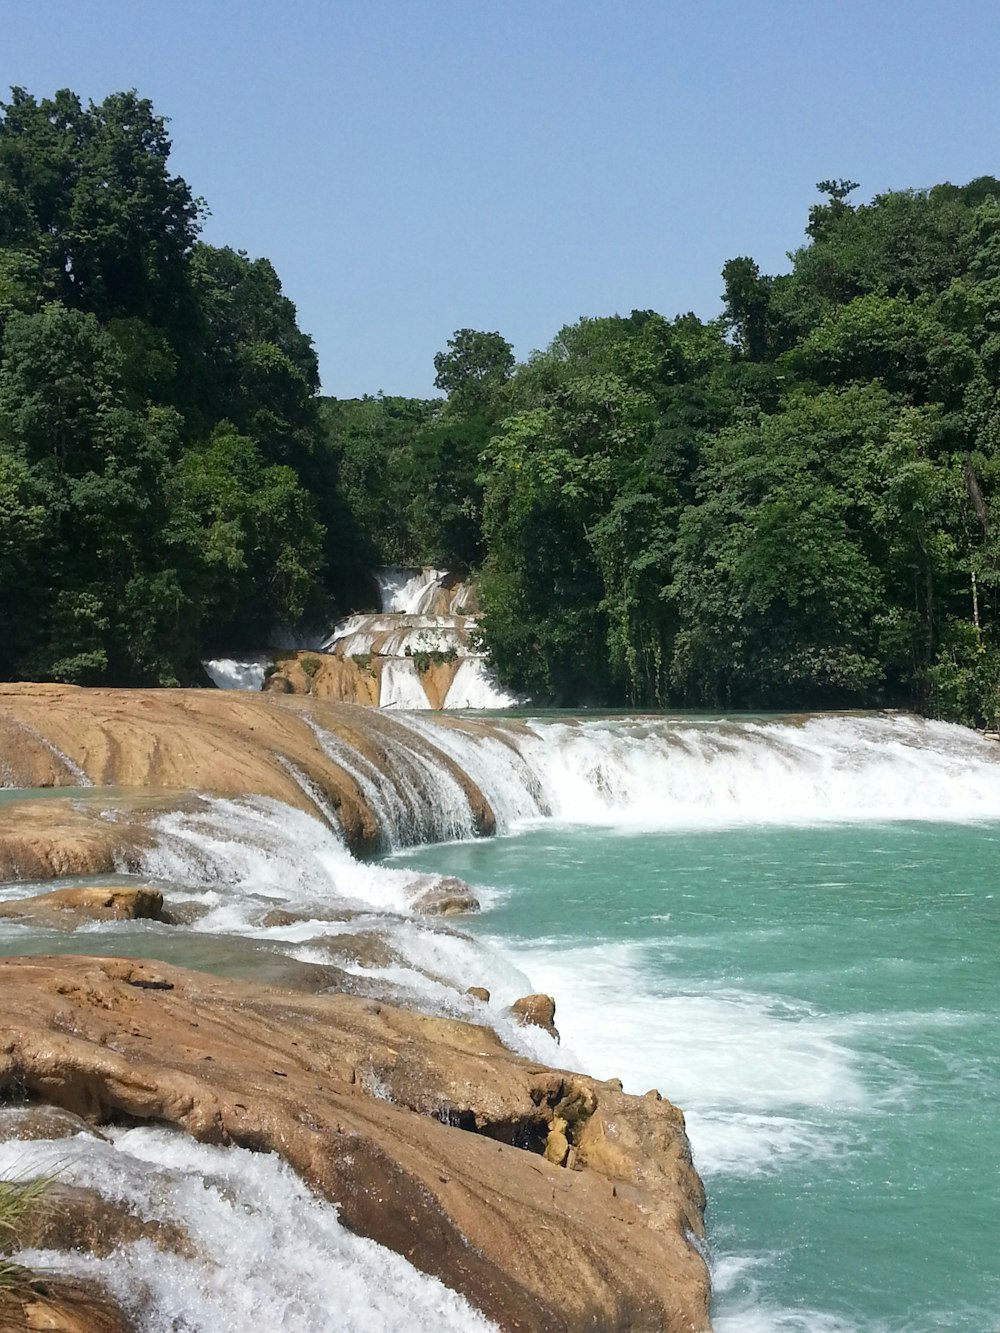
(792, 505)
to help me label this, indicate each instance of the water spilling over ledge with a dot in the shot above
(251, 814)
(417, 651)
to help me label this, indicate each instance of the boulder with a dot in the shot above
(67, 908)
(364, 948)
(445, 895)
(537, 1010)
(76, 1217)
(25, 1123)
(428, 1134)
(479, 993)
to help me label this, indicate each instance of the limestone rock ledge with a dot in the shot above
(554, 1202)
(166, 744)
(60, 1305)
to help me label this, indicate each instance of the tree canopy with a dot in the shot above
(791, 505)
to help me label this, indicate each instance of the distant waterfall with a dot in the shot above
(425, 620)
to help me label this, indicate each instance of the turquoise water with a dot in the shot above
(822, 1003)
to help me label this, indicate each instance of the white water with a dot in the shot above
(415, 592)
(419, 613)
(257, 853)
(400, 685)
(415, 797)
(228, 673)
(397, 636)
(268, 1252)
(756, 1099)
(755, 1102)
(475, 686)
(657, 775)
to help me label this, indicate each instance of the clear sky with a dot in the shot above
(416, 166)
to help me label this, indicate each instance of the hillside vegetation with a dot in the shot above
(792, 505)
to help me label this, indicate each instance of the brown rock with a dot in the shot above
(435, 1166)
(231, 743)
(538, 1010)
(479, 993)
(445, 895)
(183, 913)
(25, 1123)
(280, 916)
(75, 1217)
(363, 947)
(46, 838)
(69, 907)
(60, 1305)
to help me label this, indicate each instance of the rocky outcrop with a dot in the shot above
(324, 676)
(44, 839)
(60, 1305)
(67, 908)
(160, 742)
(554, 1202)
(537, 1010)
(445, 895)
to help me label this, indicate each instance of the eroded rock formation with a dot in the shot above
(158, 742)
(554, 1202)
(66, 908)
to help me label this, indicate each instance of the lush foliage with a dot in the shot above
(161, 460)
(793, 505)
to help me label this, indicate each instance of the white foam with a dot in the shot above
(230, 673)
(475, 686)
(268, 1253)
(660, 775)
(414, 794)
(401, 686)
(260, 849)
(493, 761)
(408, 591)
(756, 1076)
(751, 1317)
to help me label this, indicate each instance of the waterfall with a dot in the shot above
(230, 673)
(423, 620)
(659, 774)
(260, 1243)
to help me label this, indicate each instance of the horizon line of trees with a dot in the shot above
(792, 505)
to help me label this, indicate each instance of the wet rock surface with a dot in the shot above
(537, 1010)
(445, 895)
(174, 742)
(552, 1201)
(67, 908)
(61, 1305)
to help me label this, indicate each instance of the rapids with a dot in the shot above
(787, 925)
(265, 1247)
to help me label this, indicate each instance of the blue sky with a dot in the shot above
(416, 166)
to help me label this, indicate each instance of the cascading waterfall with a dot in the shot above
(230, 673)
(658, 774)
(413, 794)
(424, 613)
(235, 859)
(262, 1243)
